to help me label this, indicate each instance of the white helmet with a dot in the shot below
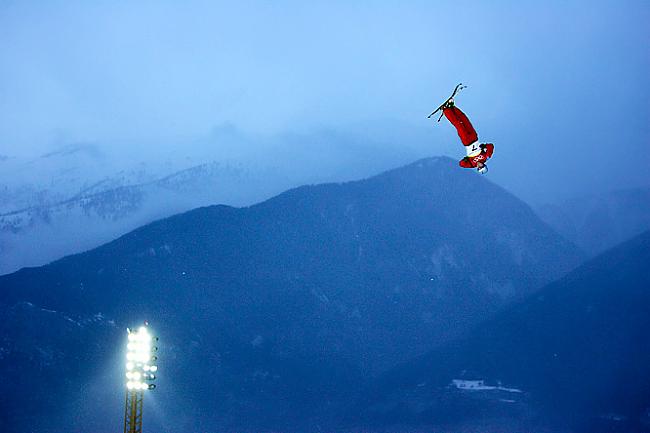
(483, 169)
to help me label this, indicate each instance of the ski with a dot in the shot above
(458, 88)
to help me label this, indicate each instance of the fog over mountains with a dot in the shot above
(82, 195)
(81, 198)
(295, 303)
(598, 221)
(44, 232)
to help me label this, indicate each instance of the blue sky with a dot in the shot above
(560, 87)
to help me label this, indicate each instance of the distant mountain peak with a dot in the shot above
(615, 215)
(75, 148)
(434, 162)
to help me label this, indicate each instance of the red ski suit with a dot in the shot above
(468, 137)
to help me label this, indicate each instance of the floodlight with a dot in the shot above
(138, 374)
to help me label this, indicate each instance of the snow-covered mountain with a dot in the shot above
(73, 200)
(81, 195)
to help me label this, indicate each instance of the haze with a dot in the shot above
(559, 87)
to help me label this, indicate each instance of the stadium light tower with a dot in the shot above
(141, 371)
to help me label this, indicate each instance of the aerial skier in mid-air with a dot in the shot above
(477, 153)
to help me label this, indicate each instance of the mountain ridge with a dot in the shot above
(297, 301)
(614, 216)
(116, 208)
(573, 353)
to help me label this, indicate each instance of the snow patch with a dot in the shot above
(45, 310)
(479, 385)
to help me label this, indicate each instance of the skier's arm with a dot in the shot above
(488, 149)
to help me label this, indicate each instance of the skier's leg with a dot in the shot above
(462, 124)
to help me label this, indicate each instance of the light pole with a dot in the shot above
(141, 370)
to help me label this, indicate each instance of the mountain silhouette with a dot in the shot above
(286, 308)
(574, 355)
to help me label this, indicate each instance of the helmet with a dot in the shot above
(483, 169)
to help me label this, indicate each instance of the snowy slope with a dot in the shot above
(79, 205)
